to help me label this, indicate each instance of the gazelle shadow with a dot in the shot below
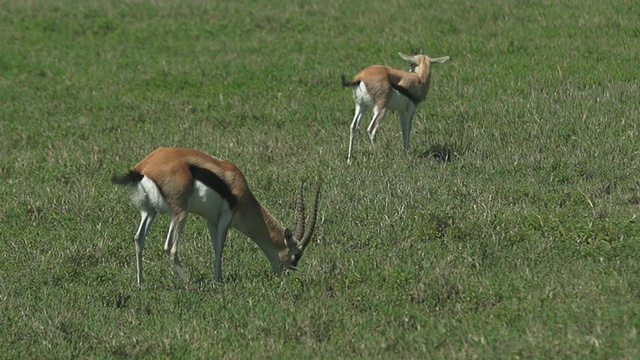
(445, 152)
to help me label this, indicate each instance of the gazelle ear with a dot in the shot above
(408, 58)
(288, 237)
(440, 59)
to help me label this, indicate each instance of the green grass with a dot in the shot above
(509, 232)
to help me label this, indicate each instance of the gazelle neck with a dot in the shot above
(424, 71)
(255, 221)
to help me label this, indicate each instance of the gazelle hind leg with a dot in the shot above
(378, 114)
(176, 227)
(354, 128)
(145, 224)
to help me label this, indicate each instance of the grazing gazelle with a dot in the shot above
(384, 88)
(179, 181)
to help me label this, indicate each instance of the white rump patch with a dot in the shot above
(361, 96)
(146, 196)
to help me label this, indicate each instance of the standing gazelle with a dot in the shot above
(178, 181)
(384, 88)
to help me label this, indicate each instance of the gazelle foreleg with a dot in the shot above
(405, 122)
(145, 224)
(218, 233)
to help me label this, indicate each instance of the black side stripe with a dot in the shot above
(215, 183)
(132, 177)
(404, 92)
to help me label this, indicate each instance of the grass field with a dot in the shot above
(510, 231)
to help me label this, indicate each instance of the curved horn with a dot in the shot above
(297, 234)
(312, 221)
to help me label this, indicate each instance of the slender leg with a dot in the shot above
(171, 246)
(405, 123)
(218, 233)
(354, 128)
(145, 224)
(168, 244)
(378, 114)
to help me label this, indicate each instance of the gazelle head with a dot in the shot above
(297, 241)
(412, 66)
(420, 60)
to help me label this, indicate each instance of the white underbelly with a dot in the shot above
(204, 201)
(399, 102)
(207, 203)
